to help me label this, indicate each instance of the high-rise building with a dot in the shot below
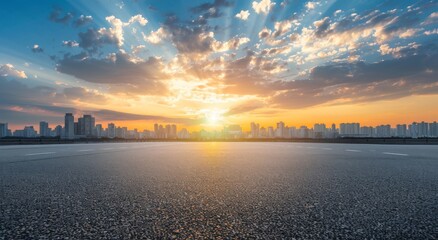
(183, 134)
(88, 125)
(433, 129)
(81, 126)
(383, 131)
(366, 131)
(413, 130)
(319, 130)
(156, 130)
(111, 130)
(303, 132)
(255, 130)
(69, 123)
(29, 132)
(98, 131)
(173, 131)
(58, 131)
(349, 129)
(279, 132)
(44, 129)
(423, 129)
(3, 130)
(401, 130)
(271, 133)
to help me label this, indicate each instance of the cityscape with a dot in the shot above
(219, 119)
(86, 127)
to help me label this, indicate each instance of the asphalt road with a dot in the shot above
(219, 190)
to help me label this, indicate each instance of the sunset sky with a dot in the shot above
(209, 63)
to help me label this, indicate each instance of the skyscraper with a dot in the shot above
(255, 130)
(433, 129)
(3, 130)
(111, 130)
(383, 131)
(88, 125)
(44, 129)
(280, 130)
(98, 130)
(423, 129)
(349, 129)
(29, 132)
(69, 122)
(401, 130)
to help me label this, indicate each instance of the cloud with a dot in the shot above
(211, 10)
(16, 93)
(431, 32)
(311, 5)
(264, 6)
(157, 36)
(362, 82)
(37, 49)
(399, 51)
(245, 107)
(109, 115)
(81, 94)
(83, 20)
(243, 15)
(57, 16)
(8, 70)
(433, 18)
(137, 18)
(119, 70)
(93, 39)
(70, 43)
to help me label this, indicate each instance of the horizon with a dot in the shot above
(206, 64)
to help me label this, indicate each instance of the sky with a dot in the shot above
(208, 63)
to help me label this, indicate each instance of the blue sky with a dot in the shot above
(187, 60)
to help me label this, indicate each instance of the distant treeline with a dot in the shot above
(18, 140)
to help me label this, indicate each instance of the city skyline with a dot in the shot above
(87, 127)
(205, 64)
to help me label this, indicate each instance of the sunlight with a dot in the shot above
(213, 116)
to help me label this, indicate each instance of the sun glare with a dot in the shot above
(213, 116)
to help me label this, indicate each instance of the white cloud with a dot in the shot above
(264, 6)
(138, 18)
(311, 5)
(243, 15)
(231, 44)
(385, 49)
(431, 32)
(116, 31)
(8, 70)
(156, 36)
(70, 43)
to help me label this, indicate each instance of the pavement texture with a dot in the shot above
(218, 191)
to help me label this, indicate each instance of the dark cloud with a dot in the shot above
(108, 115)
(37, 49)
(82, 20)
(93, 39)
(363, 82)
(211, 10)
(83, 95)
(191, 40)
(121, 72)
(16, 92)
(58, 16)
(245, 107)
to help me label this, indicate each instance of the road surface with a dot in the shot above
(213, 190)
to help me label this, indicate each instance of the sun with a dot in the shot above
(213, 116)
